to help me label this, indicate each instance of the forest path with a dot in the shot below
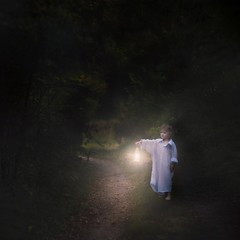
(193, 213)
(107, 208)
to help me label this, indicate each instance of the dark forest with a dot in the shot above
(90, 77)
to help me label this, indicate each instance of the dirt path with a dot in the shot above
(108, 207)
(188, 216)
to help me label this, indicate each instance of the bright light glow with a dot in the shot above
(136, 155)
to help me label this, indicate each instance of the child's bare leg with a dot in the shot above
(168, 196)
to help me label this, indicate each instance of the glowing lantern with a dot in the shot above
(136, 155)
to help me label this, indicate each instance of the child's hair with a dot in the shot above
(166, 127)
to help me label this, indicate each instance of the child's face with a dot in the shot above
(165, 135)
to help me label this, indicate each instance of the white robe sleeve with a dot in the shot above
(174, 153)
(148, 145)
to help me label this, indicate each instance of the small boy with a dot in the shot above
(163, 152)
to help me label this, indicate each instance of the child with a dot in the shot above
(163, 152)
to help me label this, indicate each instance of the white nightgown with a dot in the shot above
(162, 155)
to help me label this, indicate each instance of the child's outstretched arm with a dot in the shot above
(147, 144)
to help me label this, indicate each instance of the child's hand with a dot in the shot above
(139, 142)
(172, 166)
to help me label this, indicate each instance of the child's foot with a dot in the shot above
(168, 197)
